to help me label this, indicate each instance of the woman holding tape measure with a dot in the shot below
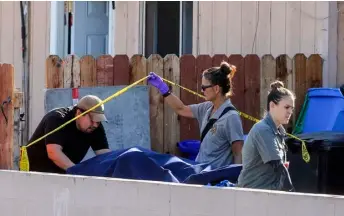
(264, 152)
(220, 124)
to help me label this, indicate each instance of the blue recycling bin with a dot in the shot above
(325, 110)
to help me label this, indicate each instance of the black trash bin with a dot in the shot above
(325, 171)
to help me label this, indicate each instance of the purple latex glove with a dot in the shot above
(157, 82)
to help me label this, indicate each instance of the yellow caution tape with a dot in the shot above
(305, 154)
(24, 164)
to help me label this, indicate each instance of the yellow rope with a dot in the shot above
(24, 160)
(305, 154)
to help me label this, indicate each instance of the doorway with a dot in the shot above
(168, 28)
(81, 28)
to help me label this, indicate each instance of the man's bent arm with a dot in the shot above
(58, 157)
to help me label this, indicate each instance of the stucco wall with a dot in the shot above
(33, 194)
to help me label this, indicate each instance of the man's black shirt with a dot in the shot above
(75, 143)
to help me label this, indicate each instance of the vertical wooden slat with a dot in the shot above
(268, 75)
(299, 71)
(293, 28)
(219, 23)
(71, 72)
(233, 30)
(218, 58)
(188, 79)
(155, 64)
(203, 62)
(252, 89)
(278, 27)
(105, 70)
(121, 70)
(238, 81)
(88, 72)
(138, 68)
(284, 69)
(314, 71)
(171, 122)
(54, 72)
(6, 128)
(284, 73)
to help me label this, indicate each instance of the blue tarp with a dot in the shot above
(143, 164)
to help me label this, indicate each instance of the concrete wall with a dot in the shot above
(33, 194)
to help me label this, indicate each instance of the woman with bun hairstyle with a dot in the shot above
(264, 152)
(222, 141)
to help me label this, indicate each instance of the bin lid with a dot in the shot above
(325, 92)
(323, 138)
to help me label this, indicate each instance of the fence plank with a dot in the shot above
(218, 58)
(88, 71)
(299, 71)
(188, 79)
(121, 70)
(314, 71)
(238, 81)
(268, 75)
(54, 72)
(155, 63)
(138, 68)
(171, 122)
(105, 70)
(203, 62)
(284, 70)
(252, 89)
(71, 72)
(6, 127)
(284, 73)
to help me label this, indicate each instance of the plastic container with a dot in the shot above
(325, 110)
(324, 173)
(190, 148)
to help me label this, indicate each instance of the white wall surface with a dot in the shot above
(35, 194)
(269, 27)
(10, 38)
(39, 51)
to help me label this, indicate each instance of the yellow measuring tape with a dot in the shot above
(24, 159)
(305, 154)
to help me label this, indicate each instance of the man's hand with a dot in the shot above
(58, 157)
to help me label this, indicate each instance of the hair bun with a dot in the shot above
(225, 68)
(277, 84)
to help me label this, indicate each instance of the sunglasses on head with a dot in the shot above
(204, 87)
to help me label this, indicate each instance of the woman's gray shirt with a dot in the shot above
(264, 143)
(216, 146)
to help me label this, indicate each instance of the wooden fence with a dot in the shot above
(10, 102)
(251, 84)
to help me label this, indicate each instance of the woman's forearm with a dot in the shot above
(178, 106)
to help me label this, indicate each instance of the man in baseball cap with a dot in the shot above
(69, 145)
(89, 101)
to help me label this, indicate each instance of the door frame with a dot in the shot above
(59, 31)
